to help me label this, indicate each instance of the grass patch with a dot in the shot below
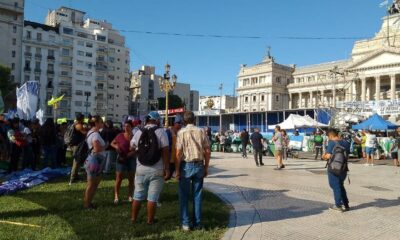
(57, 208)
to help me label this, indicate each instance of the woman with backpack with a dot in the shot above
(125, 162)
(95, 162)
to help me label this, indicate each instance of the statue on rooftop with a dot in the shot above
(394, 8)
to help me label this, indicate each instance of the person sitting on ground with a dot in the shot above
(125, 162)
(152, 166)
(336, 181)
(95, 162)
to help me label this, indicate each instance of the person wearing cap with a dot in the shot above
(149, 180)
(172, 133)
(192, 160)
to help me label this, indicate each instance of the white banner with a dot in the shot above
(27, 100)
(382, 107)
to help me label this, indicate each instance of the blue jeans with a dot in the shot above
(50, 156)
(191, 175)
(337, 185)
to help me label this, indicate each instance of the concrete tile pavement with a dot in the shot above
(293, 203)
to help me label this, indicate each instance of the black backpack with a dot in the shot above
(82, 151)
(148, 152)
(337, 164)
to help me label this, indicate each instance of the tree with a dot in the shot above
(174, 101)
(7, 87)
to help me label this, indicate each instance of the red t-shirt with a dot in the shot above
(123, 144)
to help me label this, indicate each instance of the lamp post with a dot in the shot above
(220, 108)
(167, 85)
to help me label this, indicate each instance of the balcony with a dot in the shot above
(50, 58)
(50, 72)
(101, 60)
(66, 64)
(100, 67)
(100, 99)
(64, 84)
(37, 71)
(102, 50)
(100, 79)
(38, 56)
(27, 69)
(28, 55)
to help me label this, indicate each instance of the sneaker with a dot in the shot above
(283, 166)
(116, 201)
(262, 164)
(346, 208)
(186, 228)
(130, 199)
(336, 208)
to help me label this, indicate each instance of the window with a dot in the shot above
(254, 98)
(89, 65)
(254, 80)
(81, 43)
(246, 99)
(277, 98)
(50, 53)
(82, 35)
(39, 36)
(89, 45)
(87, 83)
(79, 72)
(50, 67)
(111, 96)
(26, 78)
(278, 79)
(111, 86)
(79, 93)
(81, 53)
(52, 38)
(14, 41)
(38, 51)
(261, 79)
(12, 66)
(262, 98)
(101, 38)
(65, 52)
(78, 103)
(64, 73)
(15, 4)
(88, 74)
(68, 31)
(37, 65)
(88, 54)
(111, 59)
(13, 54)
(79, 82)
(80, 63)
(14, 29)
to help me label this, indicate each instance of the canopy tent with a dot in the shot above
(375, 122)
(296, 121)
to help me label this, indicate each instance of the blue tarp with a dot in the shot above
(28, 178)
(375, 122)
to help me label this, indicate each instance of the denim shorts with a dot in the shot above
(128, 166)
(370, 150)
(94, 165)
(148, 184)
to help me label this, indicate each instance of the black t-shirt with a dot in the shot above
(244, 137)
(256, 140)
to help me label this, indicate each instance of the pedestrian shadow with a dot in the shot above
(379, 203)
(268, 205)
(228, 176)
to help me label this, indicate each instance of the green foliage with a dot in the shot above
(6, 86)
(58, 209)
(174, 101)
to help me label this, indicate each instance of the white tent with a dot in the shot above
(296, 121)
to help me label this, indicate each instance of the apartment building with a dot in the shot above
(92, 69)
(145, 89)
(11, 25)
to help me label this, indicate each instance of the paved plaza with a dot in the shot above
(293, 203)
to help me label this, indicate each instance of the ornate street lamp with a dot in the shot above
(167, 84)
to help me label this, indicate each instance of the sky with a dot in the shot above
(206, 62)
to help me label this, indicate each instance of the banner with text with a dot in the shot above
(382, 107)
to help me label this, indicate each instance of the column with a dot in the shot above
(311, 100)
(363, 89)
(300, 100)
(393, 87)
(290, 101)
(377, 88)
(322, 103)
(333, 103)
